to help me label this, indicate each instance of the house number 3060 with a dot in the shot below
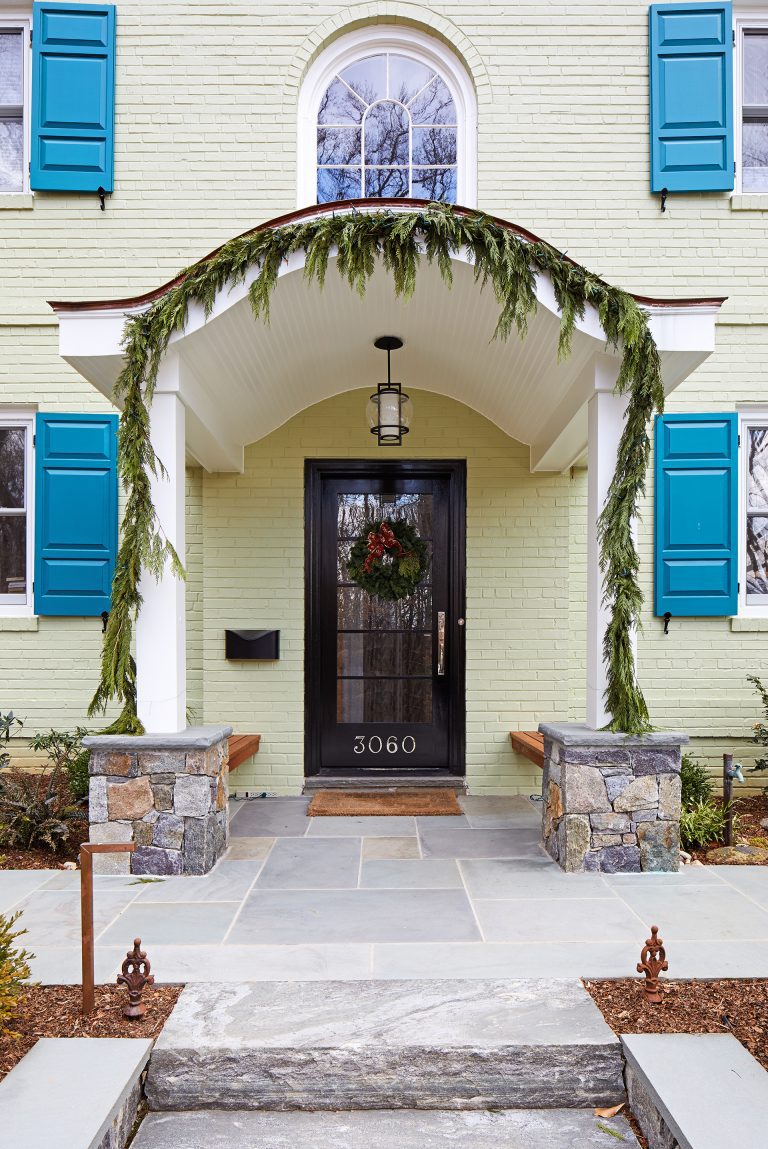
(375, 745)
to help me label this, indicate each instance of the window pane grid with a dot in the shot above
(14, 444)
(370, 112)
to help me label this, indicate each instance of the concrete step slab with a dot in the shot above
(697, 1091)
(404, 1129)
(386, 1045)
(75, 1092)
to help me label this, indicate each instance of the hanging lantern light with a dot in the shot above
(389, 409)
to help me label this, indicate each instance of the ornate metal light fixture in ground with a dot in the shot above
(135, 976)
(653, 961)
(389, 409)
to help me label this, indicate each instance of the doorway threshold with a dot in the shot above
(384, 780)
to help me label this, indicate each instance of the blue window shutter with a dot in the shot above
(73, 97)
(697, 504)
(691, 49)
(75, 513)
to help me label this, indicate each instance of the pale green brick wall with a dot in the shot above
(517, 585)
(205, 148)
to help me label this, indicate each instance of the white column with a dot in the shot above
(161, 656)
(606, 422)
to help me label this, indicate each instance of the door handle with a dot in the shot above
(441, 642)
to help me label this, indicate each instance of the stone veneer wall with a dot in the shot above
(166, 793)
(611, 801)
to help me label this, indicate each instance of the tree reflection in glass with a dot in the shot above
(387, 127)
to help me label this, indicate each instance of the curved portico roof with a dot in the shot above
(240, 379)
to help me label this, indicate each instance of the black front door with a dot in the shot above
(385, 679)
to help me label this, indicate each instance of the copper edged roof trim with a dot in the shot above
(149, 297)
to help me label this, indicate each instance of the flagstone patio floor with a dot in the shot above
(345, 898)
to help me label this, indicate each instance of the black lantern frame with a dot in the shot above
(388, 437)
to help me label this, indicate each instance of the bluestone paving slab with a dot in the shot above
(292, 917)
(697, 913)
(751, 881)
(717, 959)
(63, 965)
(17, 884)
(173, 964)
(271, 818)
(70, 880)
(558, 920)
(53, 918)
(437, 842)
(424, 874)
(404, 1129)
(447, 821)
(498, 804)
(503, 878)
(172, 923)
(365, 827)
(307, 864)
(66, 1091)
(729, 1102)
(391, 848)
(377, 1044)
(504, 960)
(248, 849)
(230, 881)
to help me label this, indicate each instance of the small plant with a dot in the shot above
(14, 969)
(7, 723)
(695, 781)
(760, 736)
(34, 811)
(704, 822)
(66, 752)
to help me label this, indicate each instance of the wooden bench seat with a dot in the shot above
(241, 747)
(530, 744)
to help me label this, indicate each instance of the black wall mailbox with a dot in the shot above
(252, 645)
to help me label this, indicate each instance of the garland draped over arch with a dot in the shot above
(503, 260)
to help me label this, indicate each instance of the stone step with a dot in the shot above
(73, 1092)
(386, 1045)
(384, 780)
(403, 1129)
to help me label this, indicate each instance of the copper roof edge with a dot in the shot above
(138, 301)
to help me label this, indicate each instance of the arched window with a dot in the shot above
(386, 113)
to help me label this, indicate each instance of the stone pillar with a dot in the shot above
(611, 801)
(168, 793)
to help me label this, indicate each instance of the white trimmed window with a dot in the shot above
(387, 112)
(753, 524)
(16, 502)
(14, 103)
(751, 102)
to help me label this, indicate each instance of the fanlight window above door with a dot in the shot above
(387, 126)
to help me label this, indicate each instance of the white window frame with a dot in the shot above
(748, 417)
(21, 19)
(368, 41)
(16, 606)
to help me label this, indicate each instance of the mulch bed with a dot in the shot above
(54, 1011)
(729, 1005)
(43, 859)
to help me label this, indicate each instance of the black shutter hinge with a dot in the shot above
(104, 621)
(30, 37)
(733, 34)
(100, 192)
(664, 194)
(667, 618)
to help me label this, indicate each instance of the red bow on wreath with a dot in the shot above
(378, 542)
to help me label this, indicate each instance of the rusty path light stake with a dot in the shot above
(653, 960)
(87, 850)
(135, 976)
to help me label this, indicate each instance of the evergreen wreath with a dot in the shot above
(503, 259)
(388, 560)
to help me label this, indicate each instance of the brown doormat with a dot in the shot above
(338, 803)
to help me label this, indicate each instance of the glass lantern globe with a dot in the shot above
(389, 414)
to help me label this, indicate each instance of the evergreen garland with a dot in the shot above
(503, 260)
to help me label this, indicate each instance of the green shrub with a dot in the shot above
(760, 735)
(703, 822)
(14, 969)
(695, 781)
(35, 810)
(66, 752)
(7, 723)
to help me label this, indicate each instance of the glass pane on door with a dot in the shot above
(384, 649)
